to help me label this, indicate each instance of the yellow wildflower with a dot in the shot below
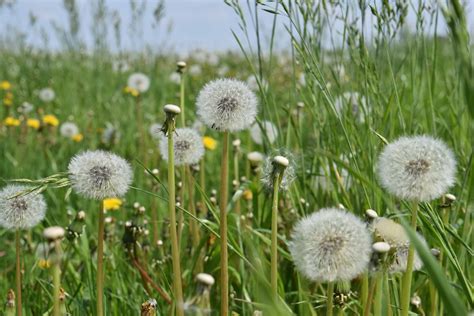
(11, 121)
(132, 91)
(78, 137)
(247, 195)
(112, 204)
(51, 120)
(44, 263)
(33, 123)
(209, 143)
(7, 101)
(5, 85)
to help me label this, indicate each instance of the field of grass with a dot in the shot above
(398, 84)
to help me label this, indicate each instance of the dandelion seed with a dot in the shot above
(46, 95)
(267, 130)
(227, 105)
(21, 208)
(99, 174)
(331, 245)
(394, 234)
(68, 129)
(188, 147)
(139, 82)
(419, 168)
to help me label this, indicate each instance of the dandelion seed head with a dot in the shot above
(227, 105)
(68, 129)
(268, 131)
(394, 234)
(99, 174)
(331, 245)
(188, 147)
(20, 208)
(139, 82)
(46, 95)
(419, 168)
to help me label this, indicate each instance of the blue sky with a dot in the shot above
(192, 23)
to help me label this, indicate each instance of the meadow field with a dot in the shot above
(310, 181)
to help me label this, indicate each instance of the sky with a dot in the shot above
(187, 24)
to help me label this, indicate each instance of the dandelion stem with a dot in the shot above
(274, 246)
(406, 280)
(370, 296)
(378, 295)
(100, 262)
(193, 227)
(178, 290)
(330, 295)
(18, 273)
(223, 225)
(56, 278)
(364, 291)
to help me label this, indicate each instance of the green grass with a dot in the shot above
(414, 84)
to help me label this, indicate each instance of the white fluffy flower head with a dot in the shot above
(188, 147)
(99, 174)
(419, 168)
(227, 105)
(265, 130)
(394, 234)
(20, 208)
(331, 245)
(46, 95)
(68, 129)
(139, 82)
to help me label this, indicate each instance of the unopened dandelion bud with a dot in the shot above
(381, 247)
(236, 144)
(435, 252)
(155, 172)
(180, 66)
(159, 242)
(136, 205)
(205, 279)
(141, 209)
(281, 161)
(171, 109)
(300, 105)
(214, 192)
(450, 197)
(371, 214)
(415, 301)
(108, 220)
(53, 233)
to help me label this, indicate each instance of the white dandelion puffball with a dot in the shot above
(21, 208)
(68, 129)
(419, 168)
(139, 82)
(331, 245)
(354, 103)
(26, 108)
(268, 173)
(155, 131)
(175, 78)
(188, 147)
(227, 104)
(394, 234)
(111, 135)
(195, 70)
(99, 174)
(265, 130)
(46, 95)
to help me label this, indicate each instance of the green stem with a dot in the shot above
(100, 262)
(370, 296)
(378, 295)
(18, 273)
(387, 294)
(406, 280)
(330, 295)
(274, 245)
(223, 225)
(193, 226)
(202, 184)
(56, 279)
(178, 290)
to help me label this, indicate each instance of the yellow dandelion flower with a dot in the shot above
(11, 121)
(209, 143)
(33, 123)
(7, 102)
(5, 85)
(112, 204)
(78, 138)
(44, 263)
(50, 120)
(247, 195)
